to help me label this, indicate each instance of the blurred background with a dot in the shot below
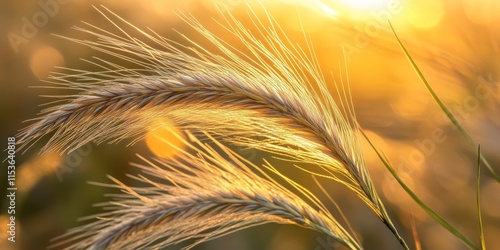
(456, 44)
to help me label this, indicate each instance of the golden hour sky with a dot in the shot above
(455, 42)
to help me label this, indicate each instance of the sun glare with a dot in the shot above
(365, 4)
(326, 9)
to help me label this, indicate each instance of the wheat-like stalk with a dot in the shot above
(271, 97)
(199, 197)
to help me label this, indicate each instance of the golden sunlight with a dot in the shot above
(163, 139)
(365, 4)
(483, 12)
(326, 9)
(320, 7)
(434, 12)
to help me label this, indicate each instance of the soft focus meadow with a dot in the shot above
(456, 44)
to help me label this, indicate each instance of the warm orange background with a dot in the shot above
(456, 43)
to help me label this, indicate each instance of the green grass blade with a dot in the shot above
(421, 203)
(442, 106)
(478, 200)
